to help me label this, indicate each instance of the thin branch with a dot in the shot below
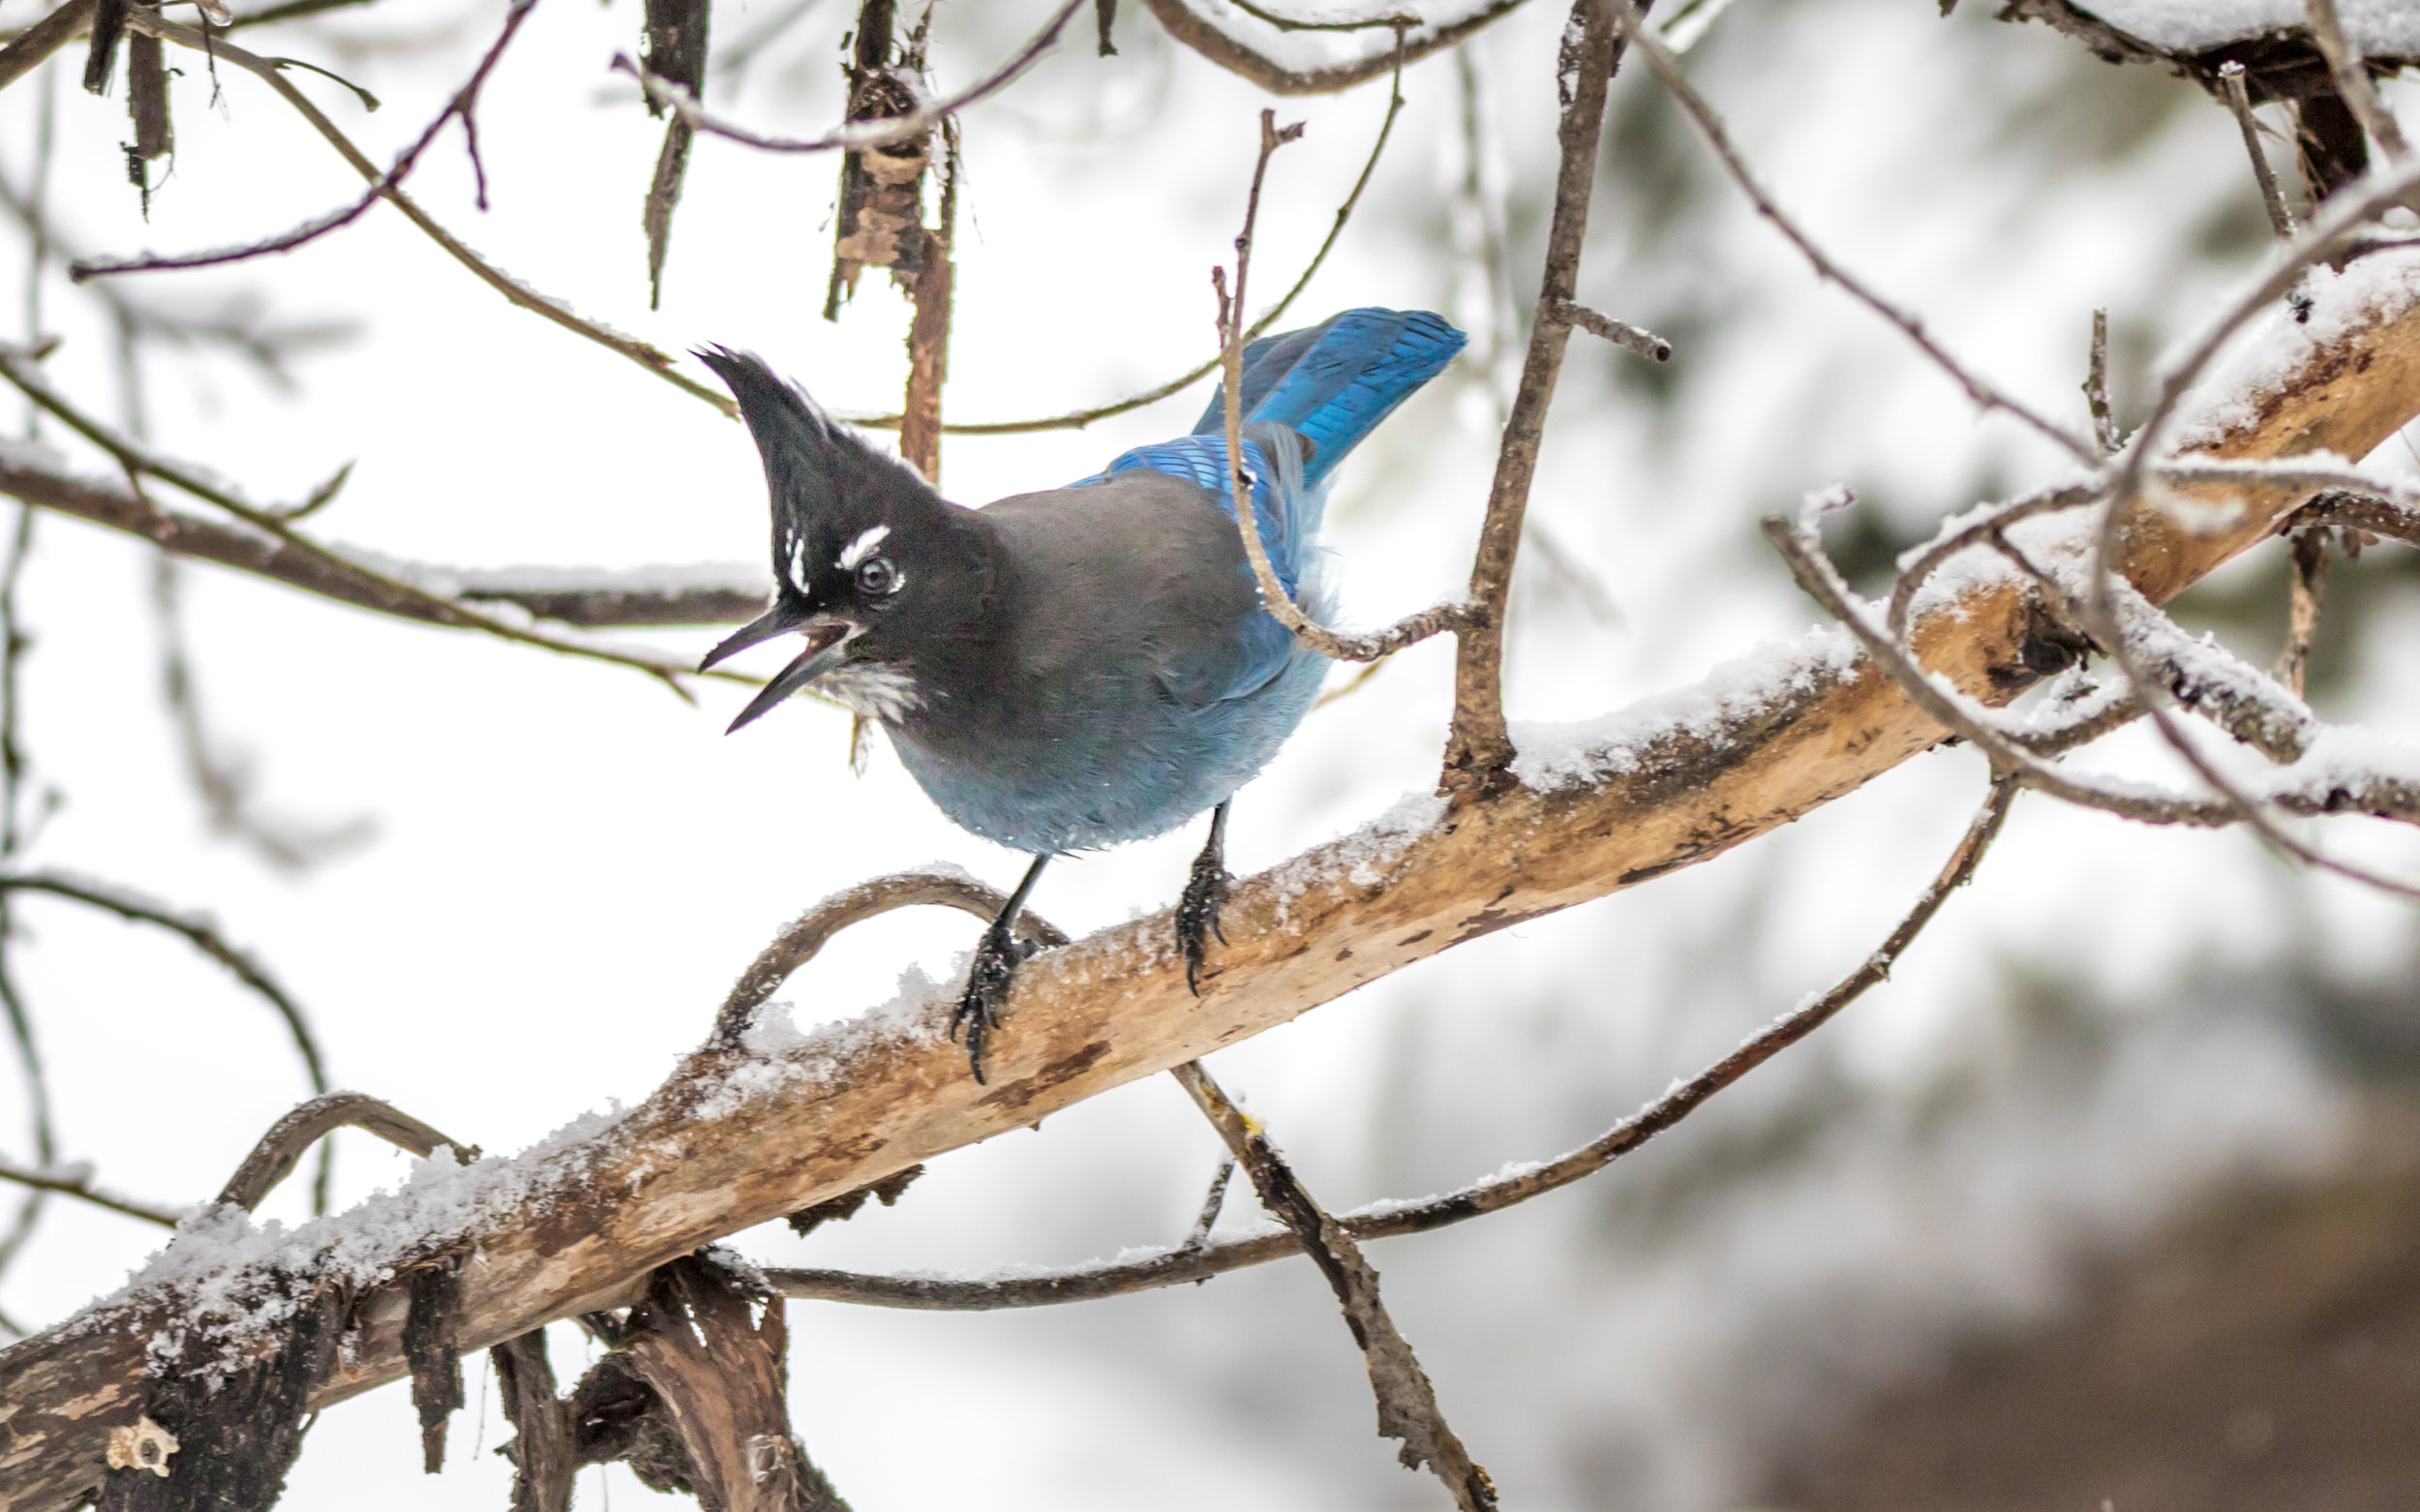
(463, 103)
(2352, 78)
(1212, 1202)
(287, 1141)
(2104, 426)
(1078, 419)
(1274, 598)
(1195, 31)
(219, 50)
(2272, 197)
(1478, 746)
(1983, 391)
(1801, 548)
(1399, 20)
(1197, 1262)
(601, 599)
(76, 1182)
(856, 135)
(1633, 339)
(806, 935)
(1408, 1409)
(1917, 566)
(138, 459)
(197, 932)
(2309, 556)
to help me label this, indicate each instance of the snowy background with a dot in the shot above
(569, 865)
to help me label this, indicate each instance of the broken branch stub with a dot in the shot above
(712, 1348)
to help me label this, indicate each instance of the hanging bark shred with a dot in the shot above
(676, 50)
(706, 1354)
(880, 217)
(2329, 143)
(147, 97)
(928, 334)
(842, 1208)
(108, 24)
(431, 1349)
(544, 1457)
(235, 1434)
(1408, 1409)
(1105, 16)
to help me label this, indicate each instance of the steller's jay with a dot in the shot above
(1086, 666)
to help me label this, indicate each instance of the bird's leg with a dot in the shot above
(1205, 894)
(995, 964)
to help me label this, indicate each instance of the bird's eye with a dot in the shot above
(878, 578)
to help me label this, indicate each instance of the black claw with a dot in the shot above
(1198, 915)
(987, 980)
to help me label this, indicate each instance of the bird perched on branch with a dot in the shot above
(1077, 668)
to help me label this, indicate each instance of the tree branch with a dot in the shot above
(1478, 749)
(1239, 57)
(1197, 1260)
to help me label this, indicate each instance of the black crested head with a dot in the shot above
(828, 487)
(867, 558)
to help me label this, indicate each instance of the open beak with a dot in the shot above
(827, 645)
(780, 619)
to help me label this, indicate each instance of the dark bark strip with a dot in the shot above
(432, 1350)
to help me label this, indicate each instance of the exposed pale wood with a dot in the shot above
(1112, 1008)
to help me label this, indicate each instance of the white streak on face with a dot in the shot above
(876, 689)
(863, 547)
(797, 563)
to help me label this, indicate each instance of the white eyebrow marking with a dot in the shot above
(797, 563)
(863, 547)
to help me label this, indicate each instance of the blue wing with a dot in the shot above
(1333, 384)
(1308, 397)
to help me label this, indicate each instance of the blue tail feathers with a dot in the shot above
(1334, 382)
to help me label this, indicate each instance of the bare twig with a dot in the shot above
(2104, 426)
(203, 937)
(268, 69)
(1274, 598)
(1804, 551)
(1078, 419)
(1195, 31)
(75, 1181)
(465, 101)
(1399, 20)
(1212, 1202)
(138, 459)
(1478, 749)
(2310, 555)
(1629, 338)
(1919, 565)
(809, 934)
(2352, 78)
(1197, 1262)
(1408, 1409)
(2272, 197)
(282, 1148)
(856, 135)
(1983, 391)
